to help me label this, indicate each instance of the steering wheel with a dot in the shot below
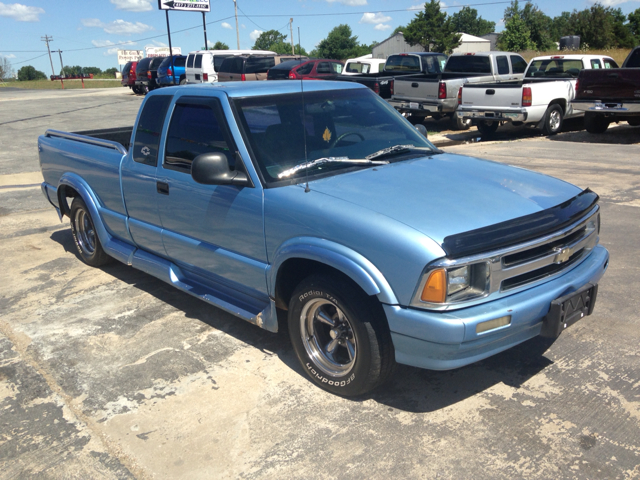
(337, 140)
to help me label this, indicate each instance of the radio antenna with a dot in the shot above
(304, 126)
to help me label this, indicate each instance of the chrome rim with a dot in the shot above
(85, 233)
(554, 120)
(328, 337)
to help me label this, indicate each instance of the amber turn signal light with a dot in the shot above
(435, 289)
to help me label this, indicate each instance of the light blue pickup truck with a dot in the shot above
(317, 202)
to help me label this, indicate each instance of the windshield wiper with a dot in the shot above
(323, 160)
(398, 149)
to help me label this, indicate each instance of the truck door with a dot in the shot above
(212, 231)
(503, 73)
(139, 186)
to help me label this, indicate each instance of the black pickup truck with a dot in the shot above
(398, 65)
(610, 95)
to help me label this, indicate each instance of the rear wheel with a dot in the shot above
(85, 236)
(487, 127)
(340, 336)
(552, 122)
(595, 123)
(634, 122)
(183, 81)
(459, 123)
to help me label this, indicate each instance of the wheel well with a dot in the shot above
(293, 271)
(64, 192)
(561, 102)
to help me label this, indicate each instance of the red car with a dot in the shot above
(310, 70)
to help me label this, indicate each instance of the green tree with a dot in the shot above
(110, 71)
(560, 26)
(539, 26)
(71, 70)
(634, 23)
(89, 70)
(30, 73)
(467, 21)
(516, 36)
(268, 38)
(601, 27)
(219, 46)
(6, 70)
(340, 44)
(399, 29)
(432, 30)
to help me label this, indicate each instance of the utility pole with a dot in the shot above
(293, 51)
(48, 39)
(62, 68)
(235, 4)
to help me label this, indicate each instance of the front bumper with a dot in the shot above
(613, 108)
(446, 340)
(506, 115)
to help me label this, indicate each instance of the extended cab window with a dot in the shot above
(503, 65)
(595, 63)
(195, 128)
(518, 65)
(609, 63)
(433, 64)
(147, 139)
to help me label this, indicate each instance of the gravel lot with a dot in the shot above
(110, 373)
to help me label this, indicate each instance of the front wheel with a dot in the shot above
(487, 127)
(552, 122)
(340, 336)
(85, 236)
(595, 123)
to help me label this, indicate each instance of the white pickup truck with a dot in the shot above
(541, 100)
(433, 94)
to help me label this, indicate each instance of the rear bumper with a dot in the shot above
(600, 107)
(503, 115)
(424, 108)
(446, 340)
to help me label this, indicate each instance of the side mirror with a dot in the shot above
(422, 129)
(213, 169)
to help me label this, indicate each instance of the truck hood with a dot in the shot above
(448, 194)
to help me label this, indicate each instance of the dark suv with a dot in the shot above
(147, 73)
(250, 67)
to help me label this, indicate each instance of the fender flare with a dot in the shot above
(351, 263)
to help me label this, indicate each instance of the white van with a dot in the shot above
(202, 65)
(357, 66)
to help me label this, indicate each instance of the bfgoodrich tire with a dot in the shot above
(85, 236)
(340, 336)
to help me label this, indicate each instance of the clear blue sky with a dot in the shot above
(87, 31)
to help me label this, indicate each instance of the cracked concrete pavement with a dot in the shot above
(110, 373)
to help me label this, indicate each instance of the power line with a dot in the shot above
(25, 61)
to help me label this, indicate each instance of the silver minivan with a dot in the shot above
(202, 65)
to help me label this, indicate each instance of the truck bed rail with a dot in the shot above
(86, 139)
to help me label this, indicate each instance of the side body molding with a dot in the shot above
(349, 262)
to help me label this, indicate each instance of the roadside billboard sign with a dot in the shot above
(162, 51)
(185, 5)
(125, 56)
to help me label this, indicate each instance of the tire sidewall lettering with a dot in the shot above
(316, 293)
(332, 383)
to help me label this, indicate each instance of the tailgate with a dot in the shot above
(490, 95)
(415, 89)
(609, 84)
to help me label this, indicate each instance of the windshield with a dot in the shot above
(554, 68)
(347, 124)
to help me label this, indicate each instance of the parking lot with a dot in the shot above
(110, 373)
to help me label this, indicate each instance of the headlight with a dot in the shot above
(453, 284)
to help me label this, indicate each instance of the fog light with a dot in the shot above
(491, 324)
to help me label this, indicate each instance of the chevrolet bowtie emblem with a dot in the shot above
(562, 254)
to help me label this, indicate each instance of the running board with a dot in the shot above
(259, 312)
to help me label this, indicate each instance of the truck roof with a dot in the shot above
(271, 87)
(483, 54)
(561, 56)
